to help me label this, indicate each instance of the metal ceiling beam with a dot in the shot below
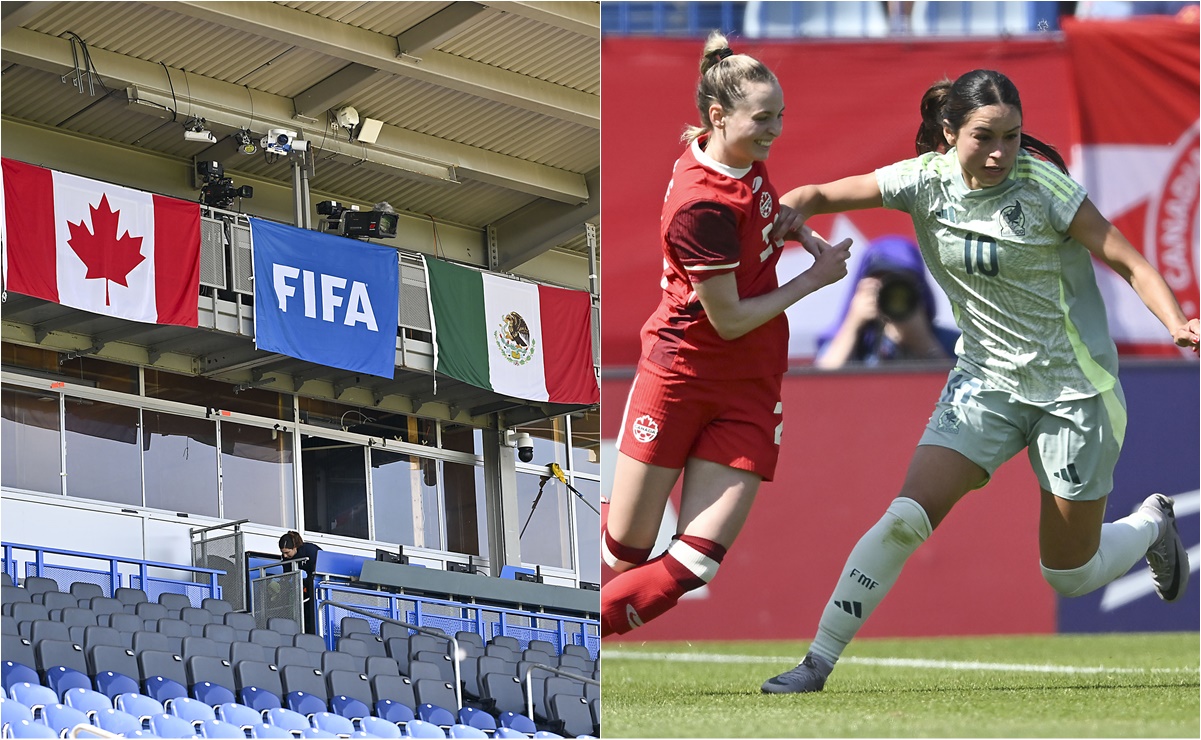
(577, 17)
(542, 225)
(420, 155)
(337, 88)
(379, 50)
(17, 14)
(451, 20)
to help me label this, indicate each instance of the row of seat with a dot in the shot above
(135, 715)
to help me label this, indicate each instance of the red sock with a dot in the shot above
(640, 594)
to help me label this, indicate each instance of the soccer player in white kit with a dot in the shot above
(1008, 236)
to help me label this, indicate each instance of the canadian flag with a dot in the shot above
(99, 247)
(1137, 86)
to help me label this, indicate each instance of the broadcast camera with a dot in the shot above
(381, 222)
(283, 141)
(218, 191)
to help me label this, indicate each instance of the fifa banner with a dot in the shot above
(100, 247)
(519, 339)
(325, 299)
(1136, 85)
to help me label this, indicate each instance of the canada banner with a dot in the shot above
(1136, 85)
(100, 247)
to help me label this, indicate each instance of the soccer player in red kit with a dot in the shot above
(706, 398)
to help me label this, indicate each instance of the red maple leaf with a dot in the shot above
(107, 257)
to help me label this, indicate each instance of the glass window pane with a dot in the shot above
(466, 527)
(405, 496)
(102, 451)
(180, 458)
(335, 487)
(29, 435)
(544, 519)
(256, 475)
(201, 392)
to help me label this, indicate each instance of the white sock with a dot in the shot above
(1123, 543)
(871, 570)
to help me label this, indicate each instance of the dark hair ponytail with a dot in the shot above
(930, 136)
(291, 540)
(949, 104)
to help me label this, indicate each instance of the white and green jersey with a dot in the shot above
(1023, 292)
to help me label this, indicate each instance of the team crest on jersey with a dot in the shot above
(765, 204)
(756, 183)
(645, 428)
(948, 421)
(513, 339)
(1013, 220)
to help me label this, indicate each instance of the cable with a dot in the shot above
(174, 101)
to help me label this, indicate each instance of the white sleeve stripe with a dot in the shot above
(686, 555)
(609, 558)
(703, 268)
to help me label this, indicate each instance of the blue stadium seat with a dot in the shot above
(15, 673)
(466, 731)
(111, 684)
(287, 719)
(304, 703)
(13, 711)
(314, 732)
(265, 730)
(547, 735)
(477, 718)
(168, 725)
(380, 727)
(435, 715)
(193, 710)
(349, 707)
(33, 695)
(217, 728)
(334, 723)
(394, 711)
(258, 699)
(114, 720)
(509, 732)
(162, 689)
(24, 728)
(238, 714)
(139, 705)
(86, 700)
(515, 721)
(60, 679)
(418, 728)
(61, 717)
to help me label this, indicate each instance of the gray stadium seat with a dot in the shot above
(174, 601)
(222, 633)
(153, 663)
(332, 660)
(351, 625)
(82, 590)
(258, 674)
(217, 607)
(38, 585)
(195, 619)
(303, 678)
(144, 640)
(394, 688)
(437, 692)
(349, 683)
(51, 653)
(419, 670)
(506, 641)
(74, 616)
(503, 691)
(174, 628)
(105, 605)
(388, 630)
(311, 643)
(130, 597)
(150, 610)
(46, 629)
(571, 713)
(267, 638)
(441, 661)
(9, 625)
(216, 670)
(243, 650)
(291, 655)
(470, 638)
(240, 621)
(284, 626)
(6, 579)
(419, 643)
(381, 666)
(18, 649)
(126, 624)
(352, 646)
(193, 646)
(504, 652)
(545, 646)
(579, 650)
(113, 658)
(57, 601)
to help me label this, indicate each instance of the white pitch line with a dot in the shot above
(951, 665)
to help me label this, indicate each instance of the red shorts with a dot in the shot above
(669, 418)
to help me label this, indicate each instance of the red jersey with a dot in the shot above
(715, 221)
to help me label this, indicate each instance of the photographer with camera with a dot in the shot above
(889, 312)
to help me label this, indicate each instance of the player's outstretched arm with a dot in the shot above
(1100, 237)
(848, 194)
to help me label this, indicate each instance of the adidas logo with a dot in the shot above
(1069, 474)
(854, 608)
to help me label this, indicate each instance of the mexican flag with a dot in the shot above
(519, 339)
(100, 247)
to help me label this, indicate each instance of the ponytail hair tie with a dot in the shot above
(723, 53)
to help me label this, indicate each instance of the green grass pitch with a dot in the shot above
(1112, 685)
